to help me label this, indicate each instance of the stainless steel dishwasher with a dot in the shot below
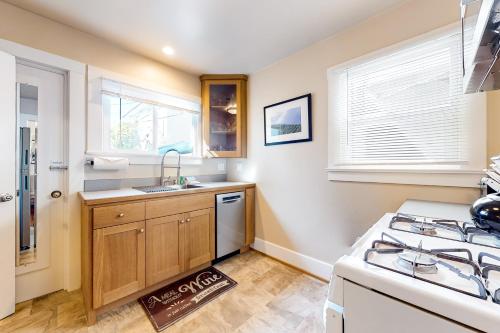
(230, 224)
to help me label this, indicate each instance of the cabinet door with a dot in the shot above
(164, 248)
(224, 117)
(118, 262)
(200, 237)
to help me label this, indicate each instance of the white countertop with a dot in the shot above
(131, 193)
(436, 209)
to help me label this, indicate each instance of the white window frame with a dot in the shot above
(438, 175)
(95, 115)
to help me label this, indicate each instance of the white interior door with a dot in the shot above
(7, 183)
(39, 216)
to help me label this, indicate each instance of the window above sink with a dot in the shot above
(141, 122)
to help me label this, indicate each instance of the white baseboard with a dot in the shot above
(308, 264)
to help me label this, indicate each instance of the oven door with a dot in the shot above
(366, 310)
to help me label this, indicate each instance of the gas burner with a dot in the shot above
(443, 228)
(428, 226)
(417, 262)
(424, 228)
(442, 267)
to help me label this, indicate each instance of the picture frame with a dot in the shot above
(288, 121)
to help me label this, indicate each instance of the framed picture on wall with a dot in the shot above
(288, 121)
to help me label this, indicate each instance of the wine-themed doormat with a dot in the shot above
(169, 304)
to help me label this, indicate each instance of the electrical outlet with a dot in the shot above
(239, 167)
(221, 166)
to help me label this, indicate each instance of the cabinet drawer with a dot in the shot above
(178, 204)
(118, 214)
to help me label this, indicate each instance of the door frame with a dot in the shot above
(75, 111)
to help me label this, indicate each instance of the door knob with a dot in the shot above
(4, 197)
(56, 194)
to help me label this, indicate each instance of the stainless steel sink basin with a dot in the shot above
(157, 188)
(166, 188)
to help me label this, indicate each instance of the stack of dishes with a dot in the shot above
(493, 173)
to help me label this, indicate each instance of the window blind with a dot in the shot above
(126, 91)
(405, 107)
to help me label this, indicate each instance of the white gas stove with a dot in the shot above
(423, 269)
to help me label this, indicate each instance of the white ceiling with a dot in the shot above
(210, 36)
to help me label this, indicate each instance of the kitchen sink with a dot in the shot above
(157, 188)
(166, 188)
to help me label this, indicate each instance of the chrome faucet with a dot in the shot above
(163, 167)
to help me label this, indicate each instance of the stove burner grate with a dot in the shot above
(416, 260)
(426, 226)
(444, 228)
(492, 287)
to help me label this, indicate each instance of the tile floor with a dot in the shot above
(270, 297)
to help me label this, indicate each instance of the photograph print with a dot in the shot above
(288, 121)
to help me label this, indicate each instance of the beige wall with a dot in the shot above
(26, 28)
(493, 123)
(297, 207)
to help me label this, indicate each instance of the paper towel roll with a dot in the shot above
(110, 163)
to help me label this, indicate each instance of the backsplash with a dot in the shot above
(115, 184)
(209, 170)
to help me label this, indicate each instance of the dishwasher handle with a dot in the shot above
(230, 201)
(230, 198)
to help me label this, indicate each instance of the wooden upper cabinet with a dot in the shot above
(118, 265)
(164, 248)
(199, 236)
(224, 99)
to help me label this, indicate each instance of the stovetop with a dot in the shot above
(452, 268)
(444, 228)
(447, 272)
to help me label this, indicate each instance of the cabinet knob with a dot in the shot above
(188, 220)
(182, 221)
(121, 215)
(141, 230)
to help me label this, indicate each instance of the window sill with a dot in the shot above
(454, 178)
(150, 159)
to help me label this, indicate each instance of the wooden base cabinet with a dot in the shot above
(178, 243)
(200, 237)
(164, 248)
(134, 247)
(118, 262)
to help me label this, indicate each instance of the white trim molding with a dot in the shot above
(408, 177)
(306, 263)
(75, 73)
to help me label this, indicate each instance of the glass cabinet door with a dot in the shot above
(224, 113)
(223, 117)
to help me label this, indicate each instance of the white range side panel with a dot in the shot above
(368, 311)
(7, 183)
